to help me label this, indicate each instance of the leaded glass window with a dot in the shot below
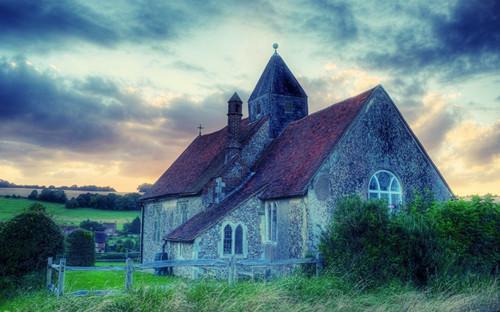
(384, 185)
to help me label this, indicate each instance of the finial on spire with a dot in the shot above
(199, 129)
(275, 47)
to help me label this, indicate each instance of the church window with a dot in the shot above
(238, 240)
(384, 185)
(271, 222)
(288, 107)
(233, 240)
(228, 240)
(183, 209)
(257, 109)
(156, 230)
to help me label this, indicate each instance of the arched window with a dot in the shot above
(238, 240)
(233, 240)
(228, 240)
(384, 185)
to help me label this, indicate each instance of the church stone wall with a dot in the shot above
(164, 216)
(256, 145)
(377, 140)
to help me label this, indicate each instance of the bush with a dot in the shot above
(133, 227)
(470, 230)
(92, 226)
(358, 240)
(26, 241)
(33, 195)
(80, 248)
(53, 195)
(423, 241)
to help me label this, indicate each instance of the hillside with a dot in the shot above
(10, 207)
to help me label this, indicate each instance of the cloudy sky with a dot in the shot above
(110, 92)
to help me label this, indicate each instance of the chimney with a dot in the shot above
(233, 127)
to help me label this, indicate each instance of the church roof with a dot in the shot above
(277, 79)
(287, 165)
(200, 162)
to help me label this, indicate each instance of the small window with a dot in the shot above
(228, 240)
(238, 240)
(183, 208)
(257, 109)
(271, 222)
(384, 185)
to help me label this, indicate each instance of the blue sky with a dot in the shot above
(109, 93)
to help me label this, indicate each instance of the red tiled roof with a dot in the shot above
(288, 164)
(197, 164)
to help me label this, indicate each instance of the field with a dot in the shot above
(10, 207)
(295, 293)
(24, 192)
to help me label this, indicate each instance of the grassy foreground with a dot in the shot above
(295, 293)
(9, 207)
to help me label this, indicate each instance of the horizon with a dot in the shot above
(88, 99)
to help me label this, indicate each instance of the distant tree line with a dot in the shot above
(109, 201)
(90, 188)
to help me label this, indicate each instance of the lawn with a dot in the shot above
(10, 207)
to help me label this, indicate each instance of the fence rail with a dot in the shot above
(231, 264)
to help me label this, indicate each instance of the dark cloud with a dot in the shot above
(35, 22)
(458, 43)
(53, 24)
(333, 21)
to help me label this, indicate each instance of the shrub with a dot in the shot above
(470, 230)
(424, 241)
(358, 240)
(133, 227)
(53, 195)
(33, 195)
(26, 241)
(92, 226)
(80, 248)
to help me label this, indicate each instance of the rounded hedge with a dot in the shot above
(26, 241)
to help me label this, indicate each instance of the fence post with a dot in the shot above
(318, 263)
(231, 270)
(60, 281)
(128, 274)
(48, 281)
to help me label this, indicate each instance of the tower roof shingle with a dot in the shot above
(277, 79)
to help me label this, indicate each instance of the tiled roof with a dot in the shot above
(287, 165)
(277, 79)
(203, 158)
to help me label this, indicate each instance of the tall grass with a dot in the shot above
(294, 293)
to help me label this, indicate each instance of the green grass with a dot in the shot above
(10, 207)
(295, 293)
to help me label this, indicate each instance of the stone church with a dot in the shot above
(264, 187)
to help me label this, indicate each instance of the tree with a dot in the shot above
(33, 195)
(37, 207)
(80, 248)
(26, 241)
(144, 187)
(133, 227)
(92, 226)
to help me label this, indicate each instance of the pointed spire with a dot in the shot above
(235, 98)
(277, 78)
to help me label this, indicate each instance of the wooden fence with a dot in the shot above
(231, 265)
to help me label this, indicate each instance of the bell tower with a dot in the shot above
(278, 95)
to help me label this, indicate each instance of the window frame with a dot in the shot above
(244, 240)
(389, 192)
(271, 222)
